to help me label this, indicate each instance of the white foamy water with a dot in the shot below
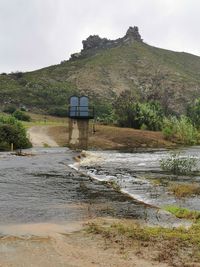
(130, 170)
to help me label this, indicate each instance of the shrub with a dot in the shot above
(178, 165)
(59, 111)
(186, 132)
(183, 213)
(193, 112)
(12, 131)
(180, 129)
(184, 190)
(10, 109)
(20, 115)
(17, 75)
(134, 114)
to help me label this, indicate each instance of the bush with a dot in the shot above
(17, 75)
(178, 165)
(20, 115)
(180, 129)
(10, 109)
(193, 112)
(12, 131)
(134, 114)
(59, 111)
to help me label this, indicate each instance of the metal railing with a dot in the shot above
(81, 112)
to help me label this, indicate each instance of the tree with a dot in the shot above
(193, 112)
(12, 132)
(134, 114)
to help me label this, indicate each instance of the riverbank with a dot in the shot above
(114, 138)
(103, 137)
(71, 249)
(101, 243)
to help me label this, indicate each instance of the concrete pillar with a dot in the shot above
(78, 133)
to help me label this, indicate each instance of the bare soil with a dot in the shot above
(40, 137)
(71, 249)
(111, 137)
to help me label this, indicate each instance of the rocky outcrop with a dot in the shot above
(133, 34)
(94, 42)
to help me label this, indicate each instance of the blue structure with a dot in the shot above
(79, 108)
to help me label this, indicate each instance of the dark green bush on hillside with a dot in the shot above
(10, 109)
(134, 114)
(59, 111)
(193, 112)
(20, 115)
(12, 131)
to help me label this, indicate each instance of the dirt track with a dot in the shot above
(75, 249)
(40, 137)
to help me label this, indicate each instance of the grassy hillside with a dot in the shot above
(151, 73)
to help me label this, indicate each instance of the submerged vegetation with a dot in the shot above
(177, 164)
(181, 190)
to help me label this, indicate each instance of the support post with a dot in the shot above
(78, 133)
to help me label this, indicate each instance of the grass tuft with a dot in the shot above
(183, 213)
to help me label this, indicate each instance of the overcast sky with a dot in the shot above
(39, 33)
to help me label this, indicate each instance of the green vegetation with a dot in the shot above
(151, 74)
(12, 132)
(21, 116)
(181, 130)
(183, 213)
(10, 109)
(59, 112)
(193, 112)
(129, 112)
(184, 190)
(177, 164)
(133, 114)
(132, 85)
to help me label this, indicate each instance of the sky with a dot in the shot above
(39, 33)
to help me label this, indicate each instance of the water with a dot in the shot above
(139, 174)
(42, 188)
(42, 199)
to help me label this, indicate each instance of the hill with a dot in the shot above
(102, 70)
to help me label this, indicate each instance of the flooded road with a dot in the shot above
(43, 188)
(43, 200)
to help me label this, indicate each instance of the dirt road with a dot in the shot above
(40, 137)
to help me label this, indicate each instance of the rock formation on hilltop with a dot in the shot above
(94, 42)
